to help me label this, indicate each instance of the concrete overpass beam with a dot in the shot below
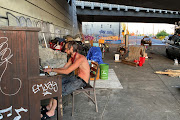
(126, 8)
(177, 12)
(87, 4)
(118, 7)
(160, 11)
(82, 5)
(110, 6)
(92, 5)
(137, 9)
(101, 6)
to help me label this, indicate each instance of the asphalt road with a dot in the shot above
(133, 40)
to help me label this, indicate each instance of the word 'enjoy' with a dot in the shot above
(47, 86)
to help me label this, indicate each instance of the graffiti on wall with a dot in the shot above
(106, 32)
(108, 39)
(49, 29)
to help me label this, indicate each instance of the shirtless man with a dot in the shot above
(77, 61)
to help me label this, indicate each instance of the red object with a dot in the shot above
(73, 58)
(136, 61)
(53, 46)
(141, 61)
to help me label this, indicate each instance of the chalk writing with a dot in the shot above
(47, 86)
(10, 114)
(18, 111)
(46, 93)
(4, 111)
(5, 60)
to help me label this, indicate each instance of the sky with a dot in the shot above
(147, 28)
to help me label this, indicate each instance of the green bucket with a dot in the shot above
(104, 68)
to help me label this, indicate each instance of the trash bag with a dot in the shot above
(57, 44)
(95, 54)
(57, 39)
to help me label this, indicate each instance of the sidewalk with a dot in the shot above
(145, 95)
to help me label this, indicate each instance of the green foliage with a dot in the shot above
(161, 34)
(150, 35)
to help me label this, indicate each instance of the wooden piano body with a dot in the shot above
(21, 87)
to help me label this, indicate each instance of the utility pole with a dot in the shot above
(143, 31)
(119, 31)
(153, 30)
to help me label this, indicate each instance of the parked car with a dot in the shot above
(173, 49)
(167, 39)
(146, 40)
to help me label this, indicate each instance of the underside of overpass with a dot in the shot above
(158, 4)
(88, 12)
(98, 18)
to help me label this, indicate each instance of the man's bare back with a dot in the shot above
(83, 69)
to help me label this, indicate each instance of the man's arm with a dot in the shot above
(67, 64)
(62, 68)
(71, 68)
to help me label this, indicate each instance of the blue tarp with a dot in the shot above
(95, 54)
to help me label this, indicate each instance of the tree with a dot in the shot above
(161, 34)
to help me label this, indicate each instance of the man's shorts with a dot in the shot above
(71, 83)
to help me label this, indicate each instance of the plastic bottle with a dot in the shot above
(175, 62)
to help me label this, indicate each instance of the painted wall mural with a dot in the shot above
(106, 32)
(107, 39)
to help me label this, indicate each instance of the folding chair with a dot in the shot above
(86, 90)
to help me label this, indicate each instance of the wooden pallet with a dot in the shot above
(169, 72)
(127, 62)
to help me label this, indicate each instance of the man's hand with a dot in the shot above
(48, 70)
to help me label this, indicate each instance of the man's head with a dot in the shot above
(71, 47)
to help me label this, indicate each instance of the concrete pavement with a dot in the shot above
(145, 95)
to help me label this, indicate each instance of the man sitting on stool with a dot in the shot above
(77, 61)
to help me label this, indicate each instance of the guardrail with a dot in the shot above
(93, 5)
